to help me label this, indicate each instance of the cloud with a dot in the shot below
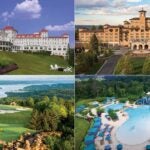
(30, 9)
(91, 3)
(136, 1)
(102, 3)
(66, 27)
(6, 15)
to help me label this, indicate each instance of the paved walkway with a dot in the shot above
(109, 65)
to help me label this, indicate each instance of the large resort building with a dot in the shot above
(10, 40)
(134, 34)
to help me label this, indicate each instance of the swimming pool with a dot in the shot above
(114, 107)
(136, 129)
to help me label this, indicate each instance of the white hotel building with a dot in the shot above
(10, 40)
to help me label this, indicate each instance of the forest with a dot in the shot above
(131, 87)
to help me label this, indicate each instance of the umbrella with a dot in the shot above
(90, 147)
(108, 130)
(147, 147)
(107, 147)
(107, 133)
(119, 147)
(101, 134)
(108, 138)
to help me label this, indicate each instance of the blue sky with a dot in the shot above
(96, 12)
(29, 16)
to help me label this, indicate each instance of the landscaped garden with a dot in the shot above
(33, 63)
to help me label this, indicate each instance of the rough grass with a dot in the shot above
(81, 128)
(31, 64)
(13, 125)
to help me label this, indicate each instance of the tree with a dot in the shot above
(100, 27)
(34, 119)
(30, 102)
(70, 57)
(146, 66)
(112, 114)
(94, 44)
(77, 34)
(93, 28)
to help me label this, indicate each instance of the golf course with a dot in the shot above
(31, 64)
(13, 122)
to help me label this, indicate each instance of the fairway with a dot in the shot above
(13, 125)
(31, 64)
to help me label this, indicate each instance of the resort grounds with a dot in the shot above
(96, 130)
(32, 64)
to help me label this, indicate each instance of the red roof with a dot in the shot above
(44, 30)
(28, 36)
(9, 28)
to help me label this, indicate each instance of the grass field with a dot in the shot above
(8, 107)
(13, 125)
(81, 127)
(137, 63)
(34, 63)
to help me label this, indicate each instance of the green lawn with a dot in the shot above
(31, 64)
(81, 128)
(8, 107)
(13, 125)
(137, 64)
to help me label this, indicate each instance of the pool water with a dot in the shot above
(115, 107)
(136, 129)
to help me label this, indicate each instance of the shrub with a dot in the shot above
(5, 62)
(112, 114)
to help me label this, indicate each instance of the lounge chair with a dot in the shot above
(107, 147)
(89, 139)
(119, 147)
(147, 147)
(56, 66)
(93, 131)
(52, 67)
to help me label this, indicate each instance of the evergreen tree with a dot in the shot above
(94, 44)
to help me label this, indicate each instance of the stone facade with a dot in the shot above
(134, 34)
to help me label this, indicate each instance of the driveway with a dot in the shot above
(109, 65)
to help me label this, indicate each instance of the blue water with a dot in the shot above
(136, 129)
(114, 107)
(16, 83)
